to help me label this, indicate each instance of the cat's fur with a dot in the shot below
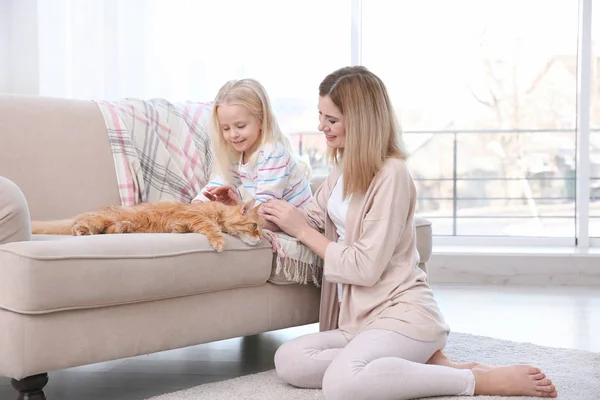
(209, 218)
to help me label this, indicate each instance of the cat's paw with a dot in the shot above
(81, 230)
(250, 240)
(218, 243)
(123, 227)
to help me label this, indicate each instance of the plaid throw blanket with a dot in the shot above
(161, 150)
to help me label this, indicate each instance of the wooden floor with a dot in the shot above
(559, 317)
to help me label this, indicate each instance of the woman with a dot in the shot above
(390, 331)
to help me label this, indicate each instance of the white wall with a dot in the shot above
(4, 43)
(19, 71)
(24, 47)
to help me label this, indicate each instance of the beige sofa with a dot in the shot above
(71, 301)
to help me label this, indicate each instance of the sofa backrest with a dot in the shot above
(57, 151)
(317, 181)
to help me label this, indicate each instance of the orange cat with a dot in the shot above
(210, 218)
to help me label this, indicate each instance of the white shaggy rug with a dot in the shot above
(575, 373)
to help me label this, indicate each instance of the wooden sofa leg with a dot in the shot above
(31, 388)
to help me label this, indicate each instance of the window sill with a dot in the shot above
(462, 249)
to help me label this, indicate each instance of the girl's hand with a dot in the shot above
(226, 194)
(285, 216)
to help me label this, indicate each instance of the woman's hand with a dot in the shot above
(292, 222)
(285, 216)
(226, 194)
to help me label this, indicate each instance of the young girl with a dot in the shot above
(253, 158)
(382, 335)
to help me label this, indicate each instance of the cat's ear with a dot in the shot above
(247, 206)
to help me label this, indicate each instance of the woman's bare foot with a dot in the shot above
(514, 380)
(439, 358)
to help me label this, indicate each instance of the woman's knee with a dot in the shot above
(339, 382)
(14, 213)
(288, 364)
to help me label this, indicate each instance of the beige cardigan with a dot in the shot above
(383, 287)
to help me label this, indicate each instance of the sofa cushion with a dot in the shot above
(53, 273)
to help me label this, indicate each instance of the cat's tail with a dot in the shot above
(57, 227)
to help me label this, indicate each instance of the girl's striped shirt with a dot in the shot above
(274, 175)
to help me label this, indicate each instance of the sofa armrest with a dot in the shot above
(424, 238)
(58, 152)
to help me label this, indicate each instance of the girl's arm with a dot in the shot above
(313, 214)
(278, 177)
(215, 182)
(272, 178)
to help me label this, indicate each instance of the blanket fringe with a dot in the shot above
(298, 271)
(294, 270)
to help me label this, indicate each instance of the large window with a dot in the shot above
(486, 91)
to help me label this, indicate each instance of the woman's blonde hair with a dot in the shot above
(251, 95)
(373, 133)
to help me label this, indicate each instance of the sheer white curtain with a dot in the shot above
(186, 49)
(117, 48)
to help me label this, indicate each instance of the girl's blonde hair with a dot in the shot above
(373, 133)
(251, 95)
